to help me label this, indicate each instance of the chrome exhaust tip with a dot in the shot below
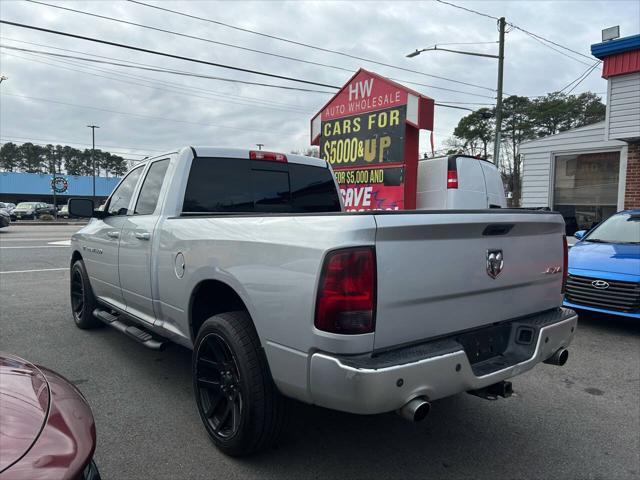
(415, 410)
(559, 358)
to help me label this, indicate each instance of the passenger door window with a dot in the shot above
(150, 191)
(121, 197)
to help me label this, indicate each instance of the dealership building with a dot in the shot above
(591, 172)
(38, 187)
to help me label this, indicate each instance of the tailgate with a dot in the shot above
(433, 275)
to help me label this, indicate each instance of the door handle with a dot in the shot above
(142, 235)
(113, 234)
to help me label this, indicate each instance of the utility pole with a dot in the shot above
(502, 24)
(53, 187)
(93, 157)
(259, 145)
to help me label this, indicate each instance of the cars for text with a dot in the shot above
(247, 258)
(46, 425)
(604, 267)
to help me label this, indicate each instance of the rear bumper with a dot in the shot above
(437, 369)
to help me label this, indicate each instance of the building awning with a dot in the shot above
(620, 56)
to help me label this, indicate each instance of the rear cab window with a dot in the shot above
(228, 185)
(150, 191)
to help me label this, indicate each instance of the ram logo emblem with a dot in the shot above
(495, 262)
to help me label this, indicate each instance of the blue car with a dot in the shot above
(604, 267)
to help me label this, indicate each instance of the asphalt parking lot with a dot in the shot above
(578, 421)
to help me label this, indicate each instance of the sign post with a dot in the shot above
(368, 132)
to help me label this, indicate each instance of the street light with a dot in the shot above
(502, 23)
(93, 157)
(435, 47)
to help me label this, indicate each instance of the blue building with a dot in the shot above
(24, 187)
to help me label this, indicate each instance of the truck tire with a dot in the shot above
(83, 302)
(237, 400)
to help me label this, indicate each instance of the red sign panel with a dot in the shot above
(368, 132)
(372, 188)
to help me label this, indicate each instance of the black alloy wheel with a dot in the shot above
(237, 399)
(77, 293)
(83, 302)
(218, 386)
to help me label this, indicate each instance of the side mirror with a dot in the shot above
(579, 235)
(81, 207)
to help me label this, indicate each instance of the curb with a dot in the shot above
(27, 222)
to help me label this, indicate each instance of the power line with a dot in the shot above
(307, 45)
(152, 68)
(552, 42)
(193, 37)
(149, 79)
(583, 78)
(169, 55)
(136, 114)
(179, 89)
(539, 37)
(197, 75)
(233, 46)
(557, 50)
(470, 10)
(264, 52)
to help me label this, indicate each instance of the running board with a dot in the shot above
(138, 334)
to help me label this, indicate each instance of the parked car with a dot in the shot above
(46, 425)
(7, 206)
(459, 182)
(48, 209)
(64, 211)
(5, 218)
(29, 210)
(247, 258)
(604, 267)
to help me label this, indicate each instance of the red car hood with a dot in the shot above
(24, 406)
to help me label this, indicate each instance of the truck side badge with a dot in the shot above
(495, 263)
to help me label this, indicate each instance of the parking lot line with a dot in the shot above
(33, 271)
(38, 246)
(31, 239)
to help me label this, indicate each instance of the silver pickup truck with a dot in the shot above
(247, 258)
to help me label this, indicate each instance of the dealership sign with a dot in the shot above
(368, 132)
(59, 184)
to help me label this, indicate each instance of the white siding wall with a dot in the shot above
(623, 115)
(538, 154)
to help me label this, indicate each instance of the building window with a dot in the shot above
(586, 188)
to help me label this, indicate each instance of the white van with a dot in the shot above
(459, 182)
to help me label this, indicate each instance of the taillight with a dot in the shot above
(346, 294)
(452, 179)
(270, 156)
(565, 263)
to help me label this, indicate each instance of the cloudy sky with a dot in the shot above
(51, 99)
